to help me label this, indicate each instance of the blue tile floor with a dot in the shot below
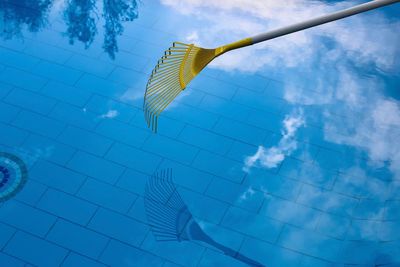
(287, 155)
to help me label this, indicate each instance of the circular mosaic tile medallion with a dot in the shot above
(13, 175)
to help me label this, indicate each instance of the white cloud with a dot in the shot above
(131, 94)
(247, 194)
(273, 156)
(220, 22)
(110, 114)
(354, 112)
(193, 37)
(359, 115)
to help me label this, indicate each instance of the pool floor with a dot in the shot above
(246, 169)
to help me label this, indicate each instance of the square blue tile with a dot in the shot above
(258, 100)
(103, 105)
(133, 181)
(273, 184)
(187, 176)
(17, 60)
(230, 238)
(107, 195)
(194, 116)
(240, 150)
(138, 211)
(290, 212)
(137, 160)
(325, 200)
(266, 120)
(29, 82)
(311, 243)
(95, 167)
(38, 124)
(333, 225)
(127, 60)
(205, 139)
(74, 260)
(170, 149)
(85, 140)
(31, 193)
(89, 65)
(31, 101)
(240, 131)
(77, 238)
(11, 136)
(364, 230)
(120, 254)
(128, 77)
(392, 210)
(167, 126)
(26, 218)
(35, 250)
(4, 88)
(65, 93)
(45, 50)
(7, 260)
(8, 112)
(219, 166)
(184, 253)
(48, 149)
(360, 253)
(251, 81)
(122, 132)
(190, 96)
(67, 206)
(369, 209)
(389, 231)
(119, 227)
(75, 116)
(268, 254)
(94, 84)
(334, 160)
(199, 205)
(214, 258)
(308, 261)
(252, 224)
(214, 86)
(57, 176)
(242, 196)
(308, 173)
(6, 232)
(361, 186)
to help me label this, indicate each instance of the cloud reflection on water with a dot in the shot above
(271, 157)
(339, 71)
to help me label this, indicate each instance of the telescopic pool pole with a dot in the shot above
(182, 62)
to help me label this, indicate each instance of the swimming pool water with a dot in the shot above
(283, 154)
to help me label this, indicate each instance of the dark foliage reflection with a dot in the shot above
(82, 17)
(17, 15)
(116, 11)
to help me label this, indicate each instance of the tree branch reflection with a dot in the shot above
(82, 17)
